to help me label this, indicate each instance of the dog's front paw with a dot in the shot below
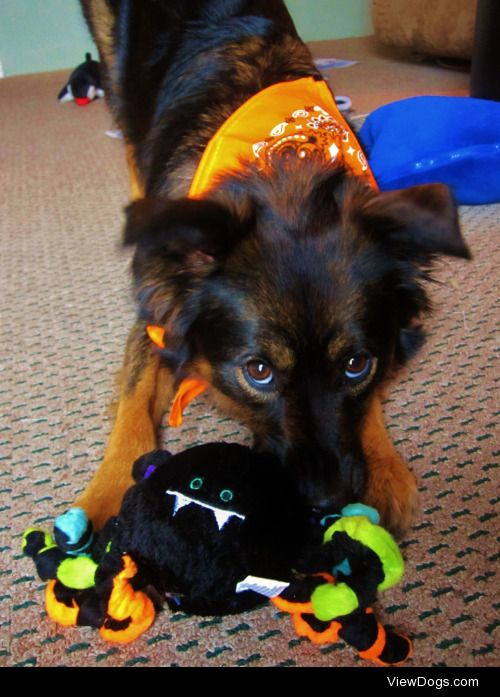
(104, 493)
(103, 496)
(392, 490)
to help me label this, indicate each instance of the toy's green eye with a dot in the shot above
(196, 483)
(226, 495)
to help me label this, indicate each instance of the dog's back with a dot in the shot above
(176, 69)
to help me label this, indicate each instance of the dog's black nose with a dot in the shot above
(324, 483)
(322, 498)
(321, 514)
(320, 518)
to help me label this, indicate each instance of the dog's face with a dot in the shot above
(294, 295)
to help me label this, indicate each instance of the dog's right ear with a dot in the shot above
(179, 243)
(191, 235)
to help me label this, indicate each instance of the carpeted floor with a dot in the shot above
(65, 311)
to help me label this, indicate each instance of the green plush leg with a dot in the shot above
(40, 546)
(35, 540)
(330, 601)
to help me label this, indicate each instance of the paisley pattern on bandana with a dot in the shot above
(312, 133)
(299, 118)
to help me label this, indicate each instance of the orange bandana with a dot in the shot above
(301, 115)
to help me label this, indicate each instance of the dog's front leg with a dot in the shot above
(391, 487)
(136, 185)
(145, 389)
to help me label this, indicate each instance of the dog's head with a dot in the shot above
(294, 295)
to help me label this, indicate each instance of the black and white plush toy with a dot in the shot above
(84, 83)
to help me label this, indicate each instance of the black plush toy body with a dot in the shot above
(213, 530)
(200, 522)
(198, 529)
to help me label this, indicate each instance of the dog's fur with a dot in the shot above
(299, 269)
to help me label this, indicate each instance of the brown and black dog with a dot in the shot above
(293, 291)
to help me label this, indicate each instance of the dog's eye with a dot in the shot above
(358, 366)
(258, 373)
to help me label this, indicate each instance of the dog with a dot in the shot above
(291, 289)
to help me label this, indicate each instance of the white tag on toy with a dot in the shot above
(269, 587)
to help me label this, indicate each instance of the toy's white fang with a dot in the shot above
(180, 500)
(221, 515)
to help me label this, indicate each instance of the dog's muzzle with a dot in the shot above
(326, 482)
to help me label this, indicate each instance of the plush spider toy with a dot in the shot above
(215, 529)
(197, 527)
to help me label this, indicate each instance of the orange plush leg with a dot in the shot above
(146, 390)
(127, 605)
(57, 611)
(391, 487)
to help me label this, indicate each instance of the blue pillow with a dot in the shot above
(421, 140)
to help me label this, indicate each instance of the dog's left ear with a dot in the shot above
(420, 222)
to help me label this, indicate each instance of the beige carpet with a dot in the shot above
(383, 74)
(65, 310)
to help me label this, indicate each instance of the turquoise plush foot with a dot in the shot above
(330, 601)
(73, 531)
